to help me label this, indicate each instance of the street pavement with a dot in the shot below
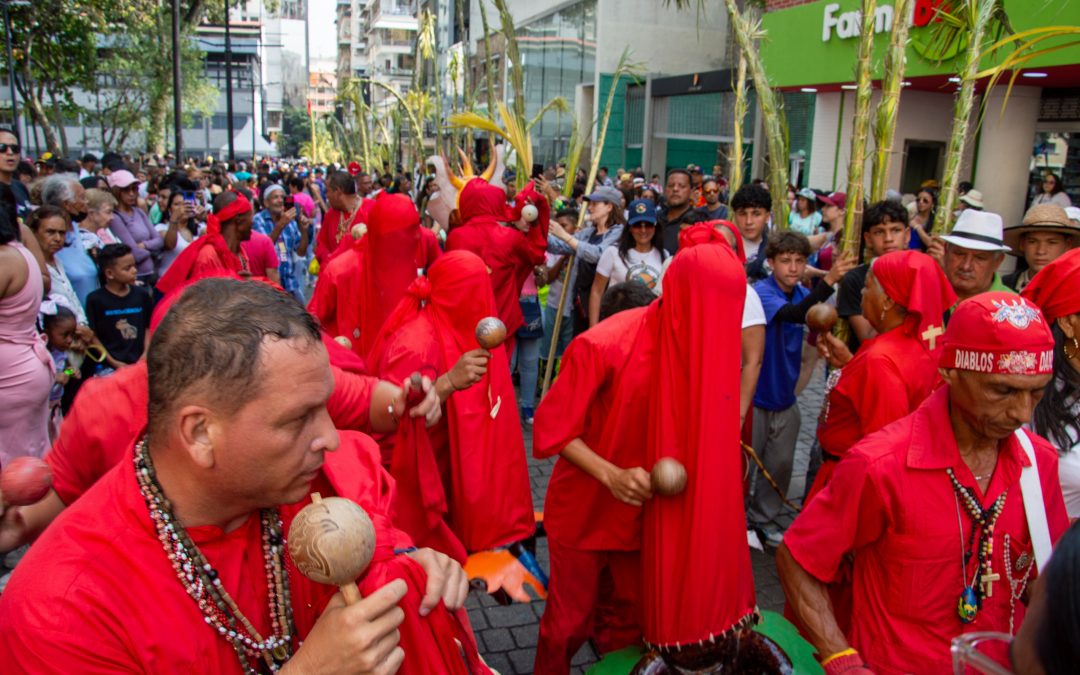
(507, 634)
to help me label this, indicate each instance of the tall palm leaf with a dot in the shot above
(861, 130)
(892, 85)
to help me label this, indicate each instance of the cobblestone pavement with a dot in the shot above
(507, 635)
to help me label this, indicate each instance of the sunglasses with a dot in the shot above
(642, 226)
(15, 148)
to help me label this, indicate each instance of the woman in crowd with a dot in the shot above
(1057, 416)
(805, 218)
(49, 225)
(178, 231)
(1044, 235)
(639, 256)
(922, 221)
(905, 298)
(133, 226)
(26, 376)
(1052, 192)
(99, 215)
(66, 193)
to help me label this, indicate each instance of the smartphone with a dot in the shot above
(290, 202)
(189, 197)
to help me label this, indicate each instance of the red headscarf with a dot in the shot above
(181, 268)
(1055, 289)
(709, 232)
(392, 238)
(998, 332)
(490, 502)
(480, 202)
(916, 282)
(699, 534)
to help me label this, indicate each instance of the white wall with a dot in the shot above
(667, 41)
(1005, 151)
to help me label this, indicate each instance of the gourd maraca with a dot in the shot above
(668, 477)
(332, 541)
(25, 480)
(490, 332)
(529, 213)
(343, 341)
(821, 317)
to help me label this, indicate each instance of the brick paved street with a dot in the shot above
(507, 635)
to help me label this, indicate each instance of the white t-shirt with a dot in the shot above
(165, 260)
(643, 267)
(753, 312)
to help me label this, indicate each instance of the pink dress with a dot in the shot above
(26, 370)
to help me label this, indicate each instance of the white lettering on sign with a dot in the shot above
(847, 24)
(981, 362)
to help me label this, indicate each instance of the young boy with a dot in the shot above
(776, 413)
(884, 230)
(119, 312)
(751, 206)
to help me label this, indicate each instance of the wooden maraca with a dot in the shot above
(343, 341)
(822, 317)
(668, 477)
(490, 332)
(332, 541)
(25, 480)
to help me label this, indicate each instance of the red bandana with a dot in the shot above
(1054, 289)
(915, 281)
(1000, 333)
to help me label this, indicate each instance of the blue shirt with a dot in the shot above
(285, 245)
(78, 265)
(783, 348)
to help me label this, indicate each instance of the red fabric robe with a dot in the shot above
(109, 415)
(97, 594)
(701, 532)
(509, 254)
(488, 497)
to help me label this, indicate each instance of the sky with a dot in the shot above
(321, 19)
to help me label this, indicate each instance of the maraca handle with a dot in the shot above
(351, 593)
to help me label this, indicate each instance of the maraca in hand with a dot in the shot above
(821, 317)
(668, 477)
(25, 480)
(490, 332)
(332, 541)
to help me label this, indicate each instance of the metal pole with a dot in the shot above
(11, 70)
(228, 82)
(178, 109)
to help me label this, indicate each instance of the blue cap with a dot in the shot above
(642, 210)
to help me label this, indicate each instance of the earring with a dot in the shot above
(1076, 349)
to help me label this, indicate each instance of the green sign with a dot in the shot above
(815, 43)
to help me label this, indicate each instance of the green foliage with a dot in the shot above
(295, 130)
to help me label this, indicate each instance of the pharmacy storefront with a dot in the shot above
(811, 48)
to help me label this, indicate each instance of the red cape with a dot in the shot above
(489, 498)
(510, 255)
(701, 532)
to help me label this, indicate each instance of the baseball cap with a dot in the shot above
(121, 179)
(837, 199)
(606, 194)
(642, 211)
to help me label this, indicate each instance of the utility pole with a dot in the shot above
(228, 82)
(177, 104)
(11, 65)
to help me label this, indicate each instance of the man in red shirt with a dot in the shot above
(219, 250)
(932, 506)
(509, 253)
(175, 560)
(346, 209)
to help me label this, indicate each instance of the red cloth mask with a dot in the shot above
(916, 282)
(701, 532)
(481, 201)
(392, 239)
(1000, 333)
(1055, 288)
(709, 233)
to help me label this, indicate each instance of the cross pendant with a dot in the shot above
(931, 335)
(987, 580)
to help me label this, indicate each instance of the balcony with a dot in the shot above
(392, 14)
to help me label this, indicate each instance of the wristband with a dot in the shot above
(842, 661)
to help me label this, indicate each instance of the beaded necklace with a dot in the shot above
(982, 521)
(200, 579)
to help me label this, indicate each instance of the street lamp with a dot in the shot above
(11, 58)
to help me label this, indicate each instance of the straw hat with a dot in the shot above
(1042, 218)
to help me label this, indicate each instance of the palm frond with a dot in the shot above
(574, 149)
(892, 85)
(558, 104)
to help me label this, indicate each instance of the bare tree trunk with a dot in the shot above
(155, 132)
(58, 114)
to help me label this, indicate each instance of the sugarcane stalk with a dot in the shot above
(625, 67)
(980, 13)
(772, 112)
(849, 240)
(892, 85)
(735, 169)
(489, 73)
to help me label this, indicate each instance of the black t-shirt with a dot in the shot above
(120, 322)
(849, 299)
(672, 227)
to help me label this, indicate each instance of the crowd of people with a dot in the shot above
(193, 348)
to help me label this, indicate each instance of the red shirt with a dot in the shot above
(331, 232)
(97, 594)
(889, 377)
(601, 396)
(260, 254)
(890, 502)
(109, 414)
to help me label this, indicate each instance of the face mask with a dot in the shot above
(78, 217)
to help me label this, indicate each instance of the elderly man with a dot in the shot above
(945, 511)
(192, 523)
(65, 191)
(972, 253)
(288, 230)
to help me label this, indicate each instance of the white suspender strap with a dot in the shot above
(1034, 507)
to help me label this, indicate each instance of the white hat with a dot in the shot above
(1073, 213)
(973, 198)
(978, 231)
